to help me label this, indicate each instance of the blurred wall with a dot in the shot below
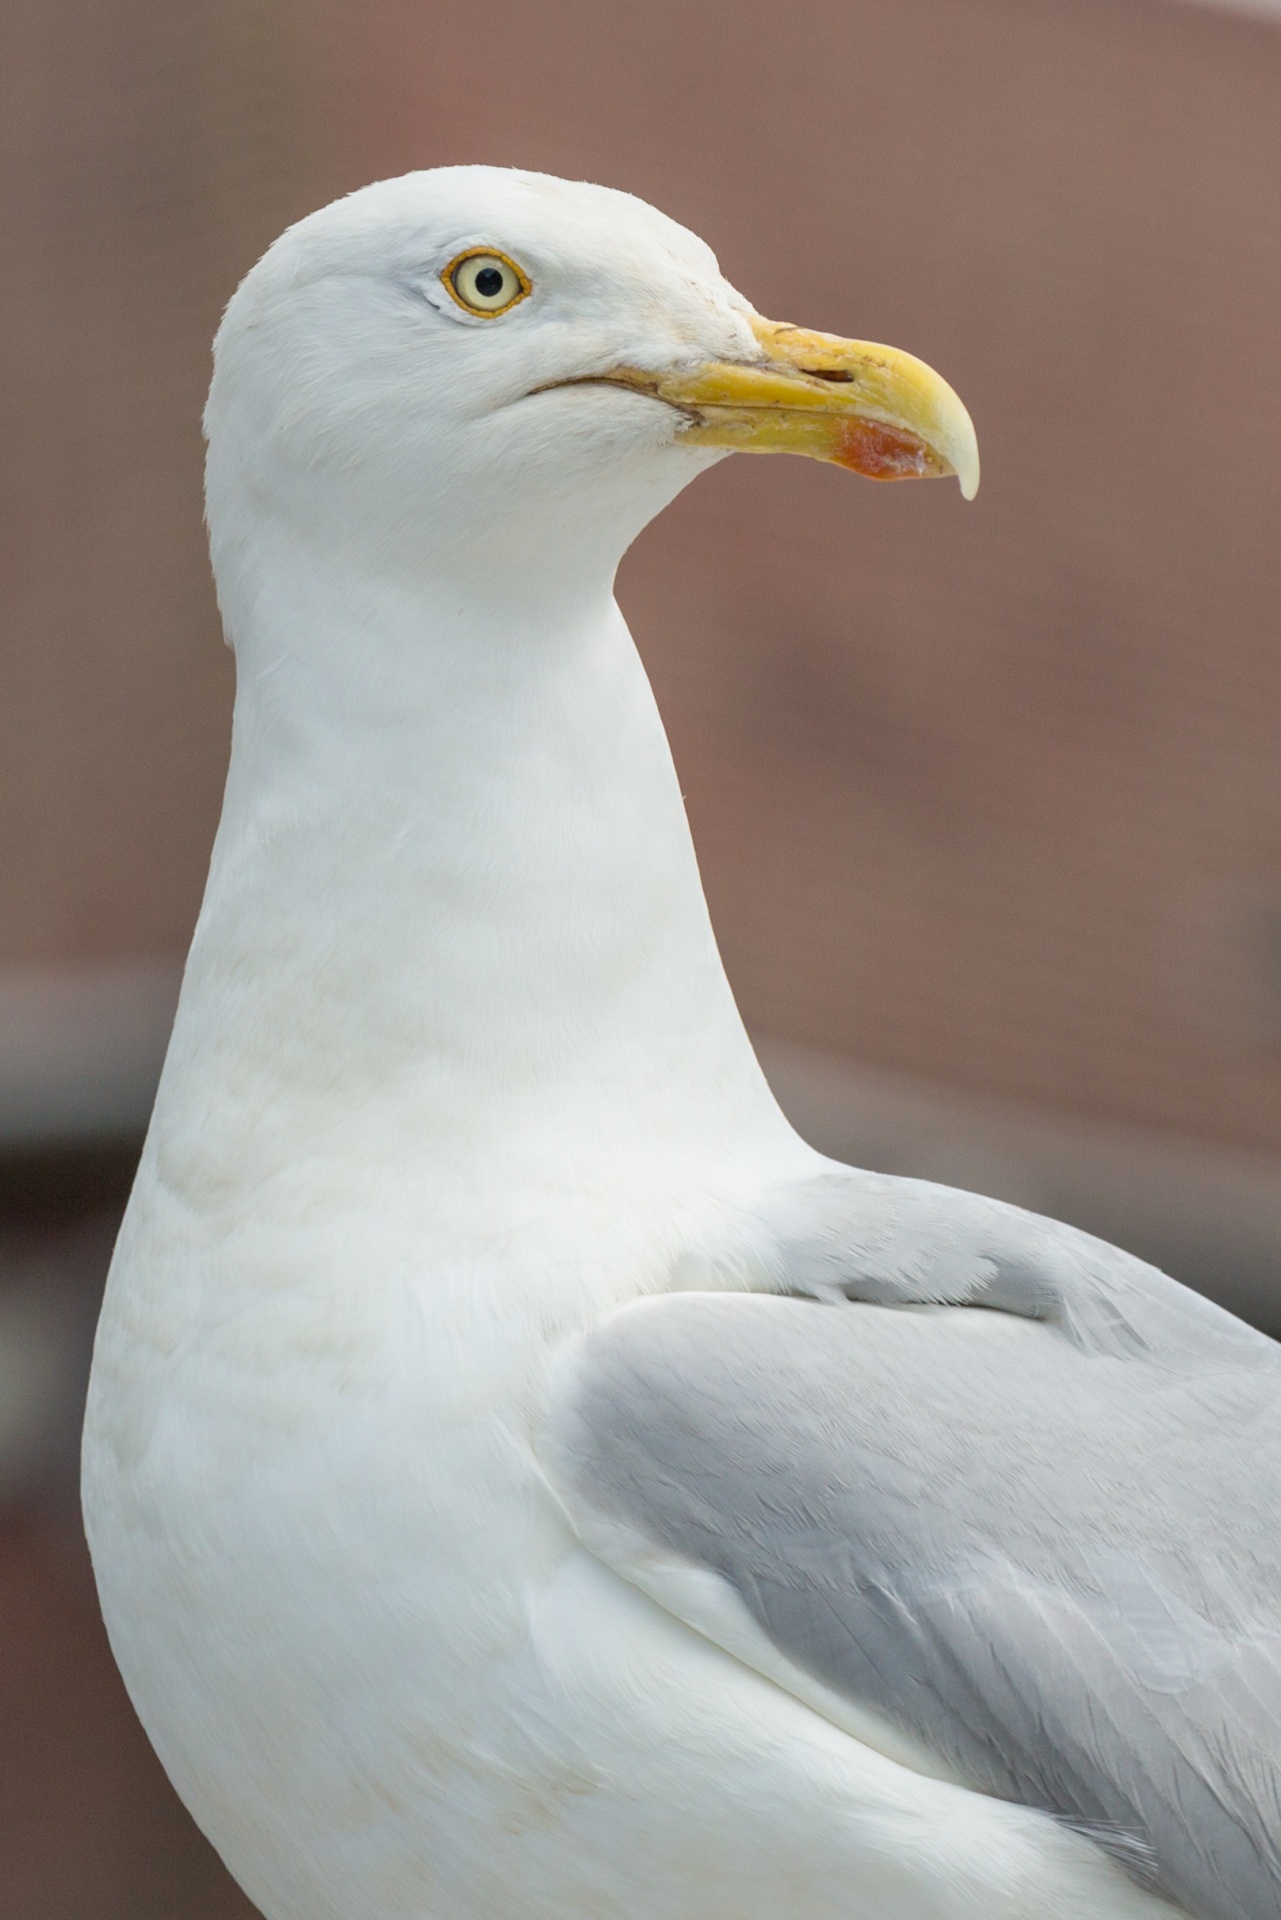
(988, 794)
(148, 153)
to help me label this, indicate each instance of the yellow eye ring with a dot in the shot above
(485, 282)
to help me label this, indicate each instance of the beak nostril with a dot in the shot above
(827, 373)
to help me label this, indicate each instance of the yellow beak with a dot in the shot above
(872, 409)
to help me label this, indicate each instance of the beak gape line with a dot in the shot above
(869, 408)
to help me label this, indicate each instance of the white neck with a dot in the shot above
(453, 886)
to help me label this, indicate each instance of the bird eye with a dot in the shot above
(484, 282)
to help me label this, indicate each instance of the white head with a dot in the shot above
(476, 373)
(441, 410)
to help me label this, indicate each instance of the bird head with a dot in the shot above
(471, 365)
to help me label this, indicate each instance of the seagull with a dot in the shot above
(525, 1481)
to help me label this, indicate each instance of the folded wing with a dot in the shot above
(1055, 1568)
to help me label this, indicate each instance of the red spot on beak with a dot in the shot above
(879, 452)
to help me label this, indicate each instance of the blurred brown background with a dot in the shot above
(987, 798)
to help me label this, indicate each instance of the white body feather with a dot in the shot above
(456, 1072)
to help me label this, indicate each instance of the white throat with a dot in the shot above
(453, 890)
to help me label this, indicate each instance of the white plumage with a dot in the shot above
(456, 1075)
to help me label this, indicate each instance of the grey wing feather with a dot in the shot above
(1058, 1569)
(854, 1235)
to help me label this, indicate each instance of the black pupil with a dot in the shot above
(489, 282)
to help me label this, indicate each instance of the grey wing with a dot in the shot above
(849, 1234)
(1057, 1570)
